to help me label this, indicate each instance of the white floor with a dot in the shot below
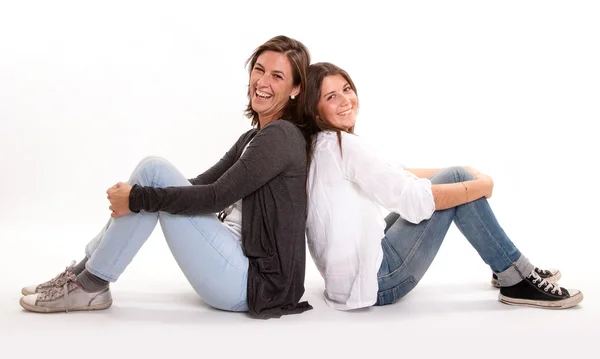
(454, 310)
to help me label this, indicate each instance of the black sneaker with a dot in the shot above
(551, 275)
(535, 291)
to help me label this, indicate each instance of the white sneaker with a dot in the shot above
(58, 280)
(67, 297)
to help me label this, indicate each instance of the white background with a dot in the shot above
(87, 89)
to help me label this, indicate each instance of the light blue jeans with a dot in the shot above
(207, 252)
(409, 249)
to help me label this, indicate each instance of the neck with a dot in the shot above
(265, 120)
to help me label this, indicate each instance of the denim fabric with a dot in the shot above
(207, 252)
(409, 249)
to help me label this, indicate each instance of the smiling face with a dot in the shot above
(338, 103)
(271, 85)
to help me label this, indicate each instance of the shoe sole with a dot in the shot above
(34, 308)
(555, 278)
(559, 304)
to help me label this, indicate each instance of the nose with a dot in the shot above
(344, 101)
(262, 81)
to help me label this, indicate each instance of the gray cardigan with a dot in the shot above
(271, 180)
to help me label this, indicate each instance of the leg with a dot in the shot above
(92, 245)
(409, 249)
(208, 253)
(89, 249)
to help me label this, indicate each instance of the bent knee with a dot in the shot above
(151, 161)
(462, 173)
(452, 174)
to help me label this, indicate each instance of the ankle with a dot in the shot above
(91, 283)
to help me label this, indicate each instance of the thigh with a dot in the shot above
(211, 258)
(408, 251)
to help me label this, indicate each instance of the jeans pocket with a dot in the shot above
(391, 259)
(392, 295)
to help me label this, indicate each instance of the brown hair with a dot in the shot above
(316, 74)
(299, 58)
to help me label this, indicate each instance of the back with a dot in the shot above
(344, 237)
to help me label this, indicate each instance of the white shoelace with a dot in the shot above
(60, 290)
(554, 289)
(58, 280)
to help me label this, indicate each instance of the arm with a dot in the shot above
(391, 186)
(216, 171)
(267, 156)
(454, 194)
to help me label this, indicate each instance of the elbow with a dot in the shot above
(421, 207)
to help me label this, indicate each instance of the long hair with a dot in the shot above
(299, 58)
(316, 74)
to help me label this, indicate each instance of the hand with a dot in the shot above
(488, 184)
(118, 195)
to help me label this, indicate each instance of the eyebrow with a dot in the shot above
(329, 93)
(279, 72)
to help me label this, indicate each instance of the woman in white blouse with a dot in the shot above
(367, 260)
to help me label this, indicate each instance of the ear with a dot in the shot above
(295, 91)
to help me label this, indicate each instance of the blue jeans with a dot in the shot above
(409, 249)
(207, 252)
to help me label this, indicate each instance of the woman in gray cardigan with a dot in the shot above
(254, 265)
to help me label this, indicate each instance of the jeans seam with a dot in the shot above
(211, 244)
(110, 278)
(470, 208)
(154, 183)
(502, 251)
(410, 254)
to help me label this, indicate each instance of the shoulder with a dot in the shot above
(355, 148)
(350, 138)
(283, 130)
(246, 136)
(352, 143)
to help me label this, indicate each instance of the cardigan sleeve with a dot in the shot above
(265, 158)
(219, 168)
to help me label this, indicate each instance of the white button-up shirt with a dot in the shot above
(345, 224)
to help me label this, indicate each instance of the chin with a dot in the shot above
(256, 109)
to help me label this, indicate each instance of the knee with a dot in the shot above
(152, 162)
(147, 169)
(461, 173)
(453, 174)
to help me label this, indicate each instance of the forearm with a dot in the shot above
(424, 172)
(454, 194)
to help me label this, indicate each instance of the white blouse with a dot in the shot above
(345, 225)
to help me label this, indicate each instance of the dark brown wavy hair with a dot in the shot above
(316, 74)
(299, 58)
